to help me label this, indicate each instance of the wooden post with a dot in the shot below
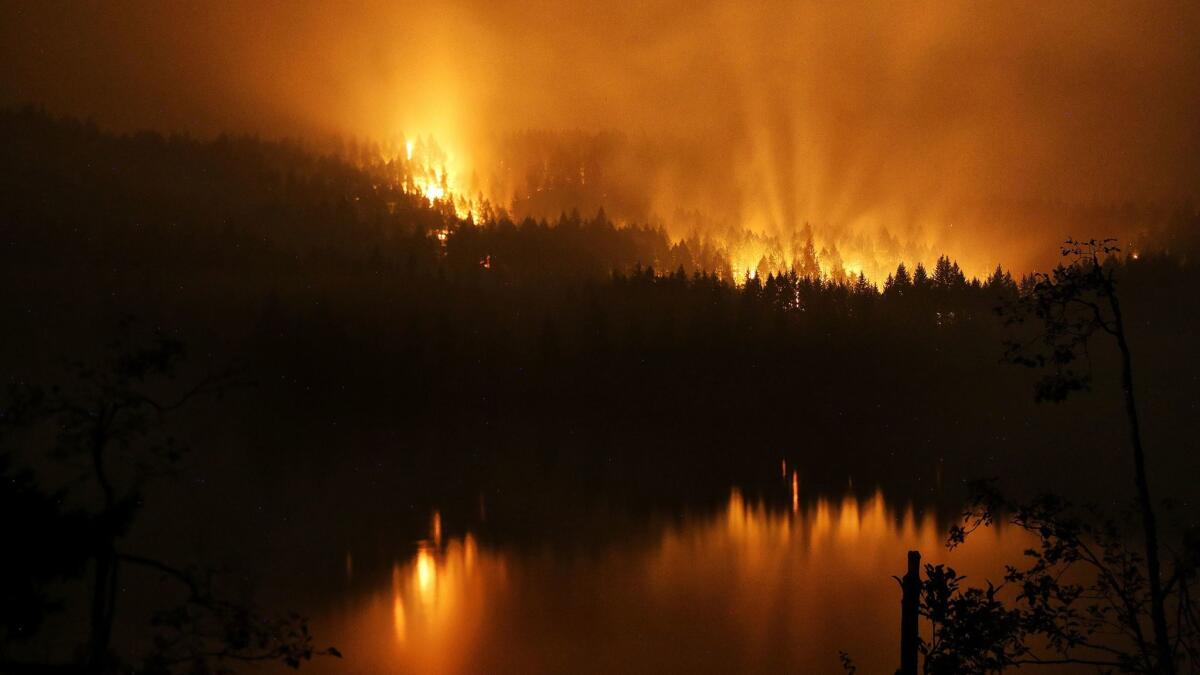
(910, 605)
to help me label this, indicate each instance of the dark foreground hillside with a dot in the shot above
(386, 337)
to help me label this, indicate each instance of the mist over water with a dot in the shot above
(988, 131)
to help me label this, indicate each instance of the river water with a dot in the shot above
(748, 589)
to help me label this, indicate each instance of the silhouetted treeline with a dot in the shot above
(577, 356)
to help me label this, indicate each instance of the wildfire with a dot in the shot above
(431, 172)
(432, 191)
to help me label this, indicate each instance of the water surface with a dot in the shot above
(748, 590)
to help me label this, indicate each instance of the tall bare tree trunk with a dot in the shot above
(104, 591)
(1158, 614)
(103, 600)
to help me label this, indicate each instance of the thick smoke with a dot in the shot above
(987, 130)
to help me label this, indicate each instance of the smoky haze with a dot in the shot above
(888, 130)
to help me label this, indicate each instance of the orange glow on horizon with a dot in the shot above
(846, 117)
(436, 175)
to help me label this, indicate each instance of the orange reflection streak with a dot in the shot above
(399, 619)
(436, 607)
(426, 576)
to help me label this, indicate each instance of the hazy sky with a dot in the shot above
(909, 116)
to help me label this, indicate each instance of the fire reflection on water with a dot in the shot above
(751, 589)
(437, 603)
